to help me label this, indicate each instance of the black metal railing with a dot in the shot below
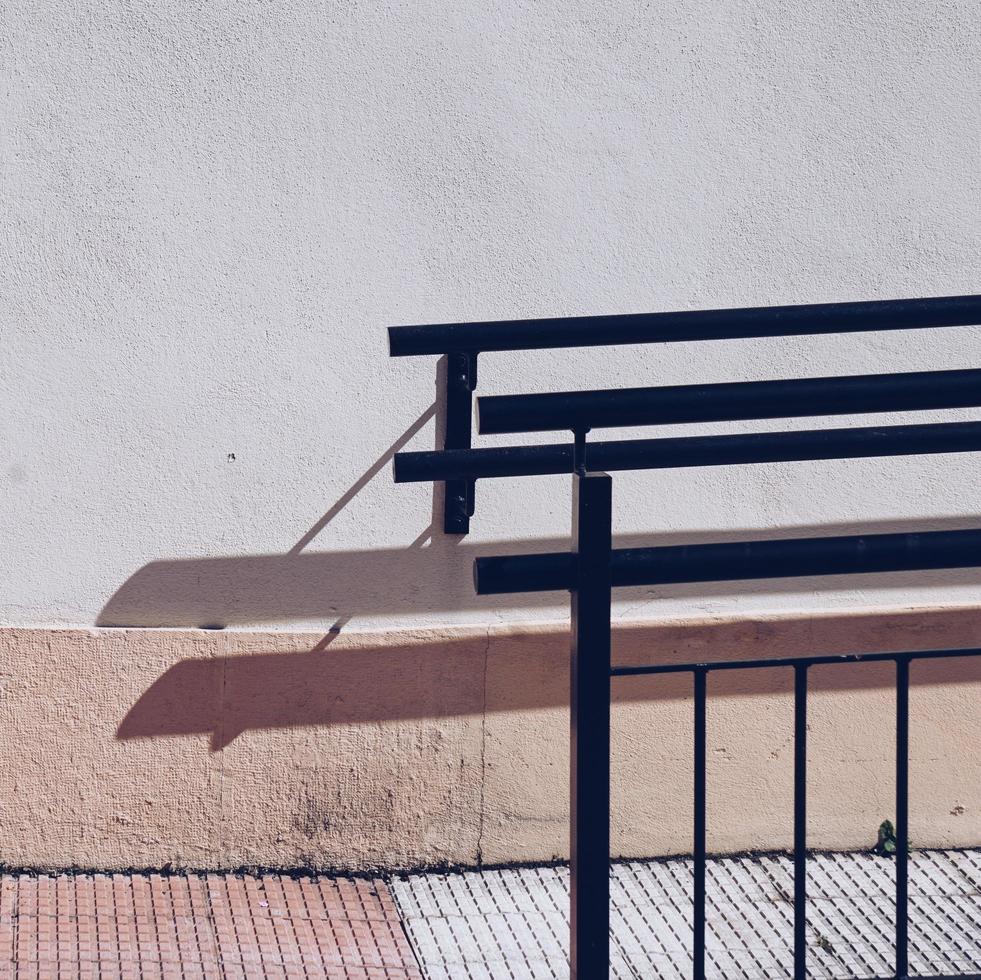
(461, 343)
(590, 572)
(544, 333)
(593, 568)
(687, 451)
(800, 666)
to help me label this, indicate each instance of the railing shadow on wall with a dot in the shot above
(250, 590)
(223, 696)
(429, 677)
(336, 680)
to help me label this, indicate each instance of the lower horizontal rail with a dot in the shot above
(738, 560)
(840, 658)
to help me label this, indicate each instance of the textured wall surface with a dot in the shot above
(397, 750)
(212, 210)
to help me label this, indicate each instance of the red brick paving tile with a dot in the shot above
(158, 926)
(8, 897)
(312, 899)
(27, 896)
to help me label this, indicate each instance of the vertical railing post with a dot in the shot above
(800, 822)
(589, 953)
(902, 817)
(698, 908)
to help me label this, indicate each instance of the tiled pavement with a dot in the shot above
(491, 925)
(137, 926)
(513, 924)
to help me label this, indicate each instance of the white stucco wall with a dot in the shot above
(212, 210)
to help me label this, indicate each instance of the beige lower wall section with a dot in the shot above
(135, 748)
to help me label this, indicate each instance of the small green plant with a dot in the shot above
(887, 844)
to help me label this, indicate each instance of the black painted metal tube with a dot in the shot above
(487, 463)
(657, 328)
(730, 401)
(738, 560)
(589, 744)
(461, 377)
(902, 817)
(689, 451)
(800, 821)
(634, 670)
(698, 907)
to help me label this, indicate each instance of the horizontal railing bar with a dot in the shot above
(690, 451)
(833, 658)
(729, 401)
(738, 560)
(487, 463)
(659, 328)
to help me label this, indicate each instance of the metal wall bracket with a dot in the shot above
(461, 380)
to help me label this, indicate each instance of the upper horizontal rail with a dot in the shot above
(659, 328)
(686, 451)
(738, 560)
(729, 401)
(632, 670)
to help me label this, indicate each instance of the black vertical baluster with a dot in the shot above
(698, 908)
(800, 821)
(902, 817)
(590, 734)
